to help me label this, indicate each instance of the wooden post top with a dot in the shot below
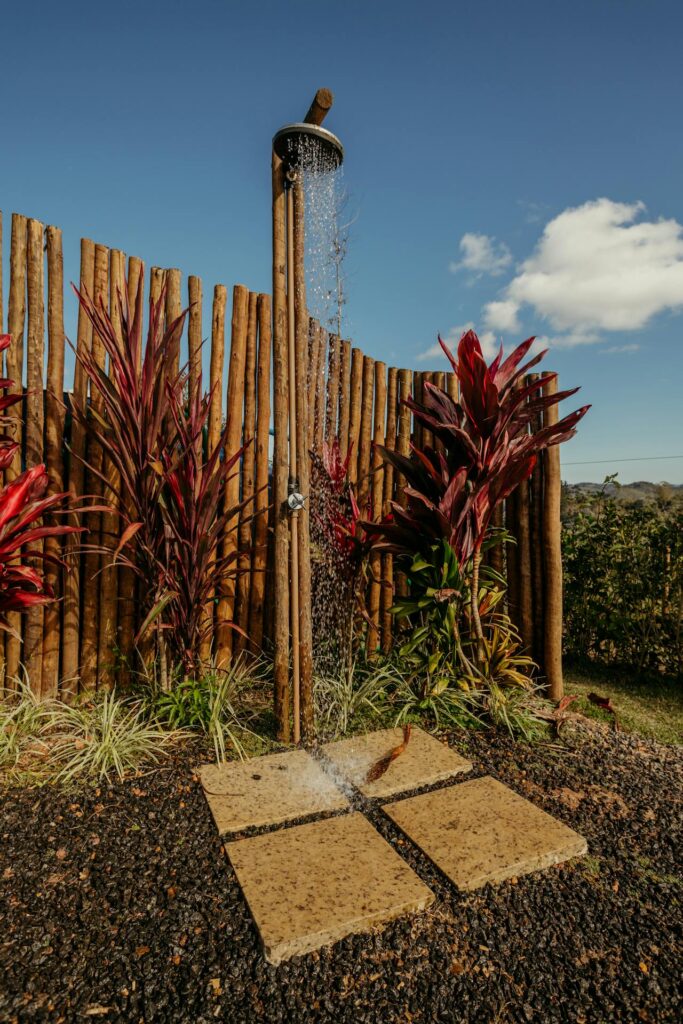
(320, 107)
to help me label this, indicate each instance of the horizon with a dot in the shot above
(507, 170)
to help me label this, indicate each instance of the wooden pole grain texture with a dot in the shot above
(319, 432)
(403, 437)
(355, 403)
(280, 459)
(127, 610)
(93, 486)
(76, 476)
(320, 107)
(54, 452)
(246, 516)
(344, 397)
(536, 545)
(512, 559)
(14, 362)
(35, 419)
(260, 553)
(332, 407)
(552, 553)
(194, 332)
(365, 440)
(377, 499)
(524, 566)
(156, 284)
(387, 591)
(173, 311)
(313, 382)
(107, 642)
(233, 412)
(304, 468)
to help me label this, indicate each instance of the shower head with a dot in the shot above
(286, 144)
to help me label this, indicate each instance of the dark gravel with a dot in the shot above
(119, 905)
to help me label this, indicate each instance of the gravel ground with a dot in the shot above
(119, 905)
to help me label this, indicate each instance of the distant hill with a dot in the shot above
(640, 490)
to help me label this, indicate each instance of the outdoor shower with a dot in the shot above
(296, 148)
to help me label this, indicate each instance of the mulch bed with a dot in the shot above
(118, 904)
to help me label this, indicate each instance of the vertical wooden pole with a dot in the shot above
(54, 443)
(127, 608)
(403, 434)
(427, 435)
(303, 465)
(313, 382)
(512, 559)
(524, 567)
(365, 441)
(377, 483)
(386, 596)
(344, 397)
(319, 433)
(280, 580)
(91, 582)
(552, 554)
(194, 331)
(220, 299)
(355, 404)
(33, 631)
(72, 595)
(260, 556)
(332, 390)
(233, 412)
(156, 283)
(16, 317)
(244, 534)
(107, 641)
(452, 386)
(536, 544)
(173, 311)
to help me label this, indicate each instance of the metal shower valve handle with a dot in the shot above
(295, 501)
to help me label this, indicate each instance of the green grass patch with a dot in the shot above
(651, 706)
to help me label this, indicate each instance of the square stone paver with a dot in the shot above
(424, 761)
(481, 831)
(268, 790)
(310, 885)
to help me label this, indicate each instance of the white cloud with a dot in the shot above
(613, 350)
(482, 254)
(596, 268)
(435, 352)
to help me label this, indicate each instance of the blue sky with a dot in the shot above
(495, 154)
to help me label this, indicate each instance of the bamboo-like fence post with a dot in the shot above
(156, 284)
(386, 596)
(427, 437)
(127, 610)
(213, 431)
(260, 554)
(452, 386)
(403, 435)
(536, 544)
(72, 589)
(54, 443)
(280, 459)
(194, 332)
(439, 380)
(173, 311)
(303, 466)
(14, 361)
(355, 403)
(344, 397)
(91, 566)
(512, 559)
(366, 425)
(319, 433)
(33, 630)
(552, 553)
(313, 382)
(233, 410)
(244, 533)
(526, 625)
(111, 522)
(332, 390)
(379, 434)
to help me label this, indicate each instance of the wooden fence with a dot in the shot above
(85, 635)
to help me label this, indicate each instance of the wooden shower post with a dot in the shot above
(280, 459)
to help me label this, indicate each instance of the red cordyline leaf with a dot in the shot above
(490, 441)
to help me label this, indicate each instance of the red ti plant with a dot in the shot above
(489, 445)
(23, 503)
(171, 491)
